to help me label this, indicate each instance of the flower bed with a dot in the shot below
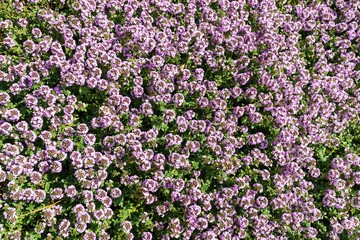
(179, 119)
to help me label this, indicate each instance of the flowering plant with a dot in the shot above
(179, 119)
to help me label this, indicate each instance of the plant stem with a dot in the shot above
(39, 209)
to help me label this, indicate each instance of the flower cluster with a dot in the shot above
(179, 119)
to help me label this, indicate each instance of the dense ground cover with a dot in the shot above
(179, 119)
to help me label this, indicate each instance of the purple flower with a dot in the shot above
(80, 227)
(56, 166)
(67, 145)
(262, 202)
(11, 149)
(157, 61)
(64, 225)
(57, 193)
(115, 193)
(71, 191)
(201, 224)
(146, 236)
(4, 98)
(150, 185)
(90, 139)
(137, 92)
(99, 214)
(169, 115)
(36, 122)
(82, 129)
(12, 115)
(40, 195)
(6, 128)
(126, 226)
(178, 99)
